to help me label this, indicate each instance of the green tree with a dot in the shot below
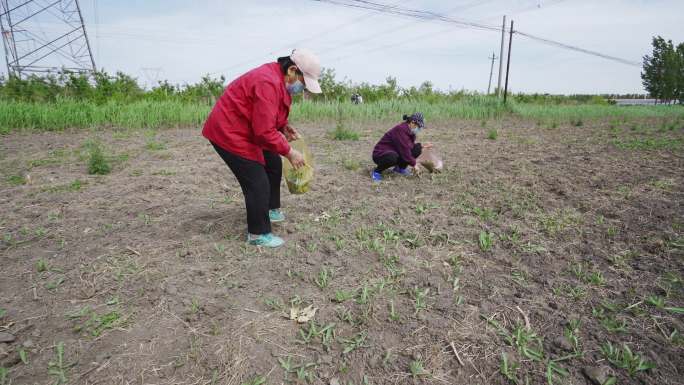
(332, 89)
(661, 75)
(76, 86)
(389, 90)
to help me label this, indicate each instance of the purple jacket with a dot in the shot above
(399, 140)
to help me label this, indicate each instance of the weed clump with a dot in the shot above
(97, 162)
(343, 133)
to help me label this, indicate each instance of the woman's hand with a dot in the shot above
(428, 145)
(296, 158)
(291, 133)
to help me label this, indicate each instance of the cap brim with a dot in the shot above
(312, 84)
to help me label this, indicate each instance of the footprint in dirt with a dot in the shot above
(226, 222)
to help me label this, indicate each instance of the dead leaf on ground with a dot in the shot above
(302, 315)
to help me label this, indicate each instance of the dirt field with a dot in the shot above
(520, 263)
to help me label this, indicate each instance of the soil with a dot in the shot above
(143, 275)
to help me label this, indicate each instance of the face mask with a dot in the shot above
(416, 130)
(295, 87)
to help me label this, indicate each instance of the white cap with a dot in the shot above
(308, 63)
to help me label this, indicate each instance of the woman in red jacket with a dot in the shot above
(248, 128)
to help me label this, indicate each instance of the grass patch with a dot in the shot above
(649, 144)
(354, 343)
(41, 265)
(93, 324)
(97, 162)
(16, 180)
(420, 297)
(475, 107)
(625, 359)
(54, 157)
(351, 164)
(559, 221)
(258, 380)
(492, 134)
(75, 185)
(163, 173)
(486, 240)
(508, 369)
(58, 367)
(323, 278)
(154, 145)
(665, 184)
(65, 113)
(583, 112)
(4, 372)
(342, 133)
(417, 369)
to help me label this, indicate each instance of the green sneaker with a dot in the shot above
(266, 240)
(276, 216)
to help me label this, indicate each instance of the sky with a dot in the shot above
(181, 41)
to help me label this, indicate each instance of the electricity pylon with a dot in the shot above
(44, 36)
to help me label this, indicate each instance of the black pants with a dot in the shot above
(392, 159)
(260, 186)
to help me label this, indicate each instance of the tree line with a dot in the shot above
(662, 76)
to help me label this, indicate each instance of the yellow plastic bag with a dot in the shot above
(299, 180)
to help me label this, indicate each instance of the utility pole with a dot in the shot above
(491, 72)
(501, 55)
(508, 66)
(29, 50)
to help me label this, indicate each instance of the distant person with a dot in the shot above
(357, 99)
(249, 130)
(398, 147)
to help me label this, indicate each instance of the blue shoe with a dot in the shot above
(376, 176)
(275, 216)
(266, 240)
(402, 171)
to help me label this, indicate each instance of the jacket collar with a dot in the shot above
(278, 74)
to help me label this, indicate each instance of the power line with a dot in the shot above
(414, 13)
(414, 38)
(151, 35)
(531, 8)
(404, 41)
(577, 49)
(341, 26)
(433, 16)
(381, 7)
(312, 37)
(388, 46)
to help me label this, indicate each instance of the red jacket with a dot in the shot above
(248, 116)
